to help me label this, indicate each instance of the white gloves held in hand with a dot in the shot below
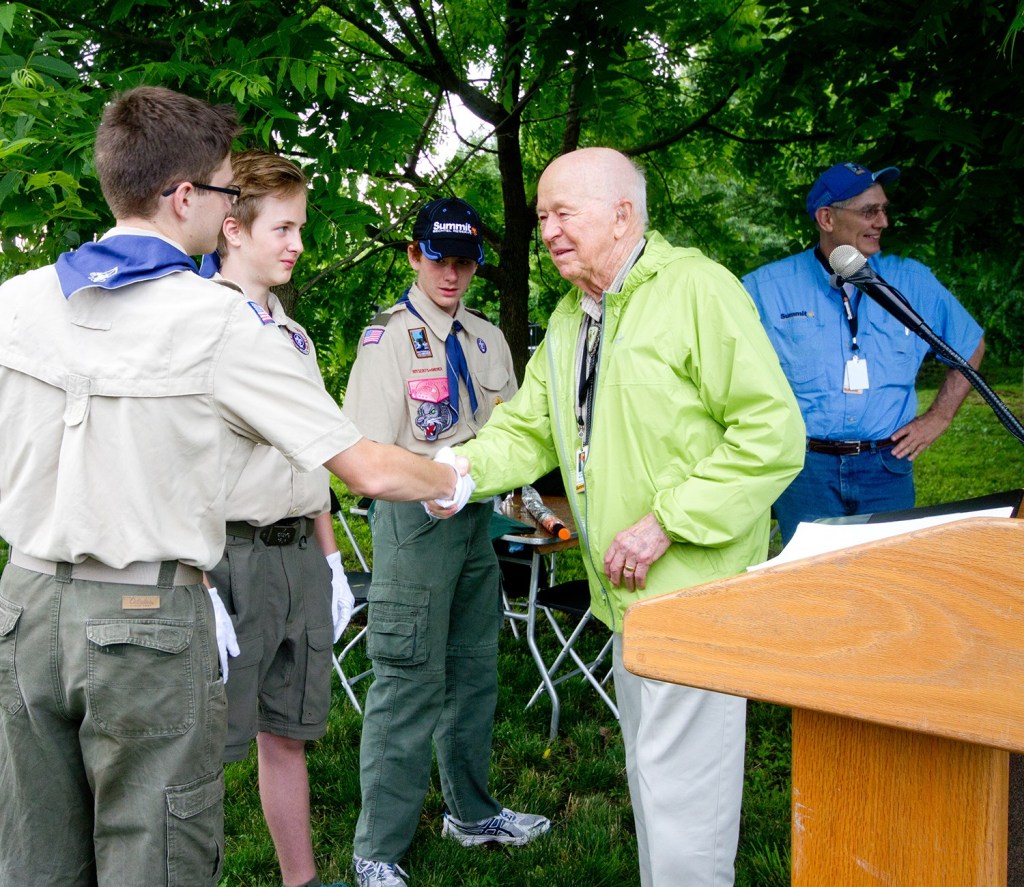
(227, 641)
(342, 600)
(464, 483)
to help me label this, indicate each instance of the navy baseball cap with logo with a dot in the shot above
(449, 226)
(843, 181)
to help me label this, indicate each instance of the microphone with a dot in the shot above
(850, 265)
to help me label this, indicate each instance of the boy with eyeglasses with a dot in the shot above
(850, 363)
(131, 394)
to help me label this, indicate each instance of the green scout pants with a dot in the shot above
(434, 615)
(111, 733)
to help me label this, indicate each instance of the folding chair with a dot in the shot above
(572, 599)
(359, 582)
(536, 562)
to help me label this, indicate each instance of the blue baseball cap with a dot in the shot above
(843, 181)
(449, 226)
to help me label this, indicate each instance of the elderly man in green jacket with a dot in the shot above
(661, 400)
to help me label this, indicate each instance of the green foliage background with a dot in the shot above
(732, 106)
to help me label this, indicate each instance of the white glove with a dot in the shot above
(464, 483)
(227, 641)
(342, 600)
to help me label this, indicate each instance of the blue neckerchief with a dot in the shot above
(210, 265)
(455, 358)
(119, 260)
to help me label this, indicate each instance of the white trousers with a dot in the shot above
(684, 763)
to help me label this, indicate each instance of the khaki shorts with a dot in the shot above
(279, 598)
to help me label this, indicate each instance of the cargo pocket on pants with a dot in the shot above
(140, 676)
(397, 624)
(316, 694)
(10, 693)
(195, 832)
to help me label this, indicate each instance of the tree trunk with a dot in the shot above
(514, 260)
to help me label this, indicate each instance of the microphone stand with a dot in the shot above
(854, 271)
(947, 355)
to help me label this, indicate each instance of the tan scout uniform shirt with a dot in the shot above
(394, 390)
(269, 488)
(126, 416)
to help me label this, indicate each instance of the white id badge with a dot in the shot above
(855, 378)
(581, 461)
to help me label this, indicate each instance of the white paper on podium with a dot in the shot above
(814, 538)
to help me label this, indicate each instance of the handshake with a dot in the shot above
(464, 485)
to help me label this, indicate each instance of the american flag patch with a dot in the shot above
(373, 335)
(261, 313)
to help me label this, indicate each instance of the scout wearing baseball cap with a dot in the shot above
(843, 181)
(449, 226)
(428, 375)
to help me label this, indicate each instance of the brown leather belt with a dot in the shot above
(847, 447)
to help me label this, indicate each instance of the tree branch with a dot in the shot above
(776, 140)
(680, 134)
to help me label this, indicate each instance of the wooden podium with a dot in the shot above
(903, 660)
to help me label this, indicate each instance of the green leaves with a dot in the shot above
(732, 107)
(46, 130)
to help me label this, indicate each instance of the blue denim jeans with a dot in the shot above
(836, 486)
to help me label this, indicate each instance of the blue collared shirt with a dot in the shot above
(805, 320)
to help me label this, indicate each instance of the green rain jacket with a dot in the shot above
(693, 420)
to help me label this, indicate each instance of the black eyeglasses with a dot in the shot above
(233, 191)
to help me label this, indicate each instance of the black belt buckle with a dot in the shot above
(279, 534)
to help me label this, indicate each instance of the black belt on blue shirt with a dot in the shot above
(283, 532)
(847, 447)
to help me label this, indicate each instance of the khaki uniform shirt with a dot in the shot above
(270, 488)
(395, 392)
(126, 416)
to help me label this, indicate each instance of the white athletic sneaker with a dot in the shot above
(370, 873)
(505, 827)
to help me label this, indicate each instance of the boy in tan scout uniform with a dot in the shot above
(273, 578)
(428, 374)
(131, 394)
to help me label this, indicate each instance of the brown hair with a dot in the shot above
(259, 174)
(151, 138)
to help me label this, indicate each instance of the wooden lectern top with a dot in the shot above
(923, 631)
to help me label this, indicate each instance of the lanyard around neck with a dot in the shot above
(849, 309)
(588, 372)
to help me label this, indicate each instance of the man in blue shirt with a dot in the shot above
(850, 363)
